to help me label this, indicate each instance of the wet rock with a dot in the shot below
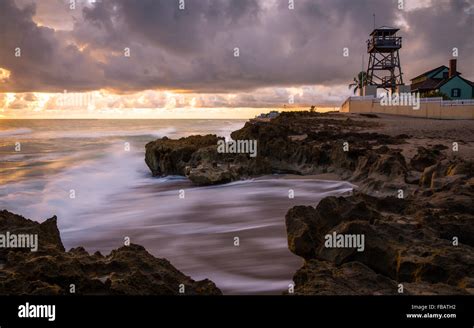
(128, 270)
(16, 224)
(197, 158)
(210, 175)
(405, 241)
(170, 157)
(306, 226)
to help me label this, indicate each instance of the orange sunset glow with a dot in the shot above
(93, 59)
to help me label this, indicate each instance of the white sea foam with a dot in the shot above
(84, 134)
(93, 181)
(117, 197)
(14, 132)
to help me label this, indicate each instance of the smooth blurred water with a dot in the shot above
(116, 197)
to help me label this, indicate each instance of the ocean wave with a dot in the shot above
(115, 196)
(14, 132)
(83, 134)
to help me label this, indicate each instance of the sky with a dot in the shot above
(209, 58)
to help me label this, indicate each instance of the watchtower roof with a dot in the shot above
(386, 30)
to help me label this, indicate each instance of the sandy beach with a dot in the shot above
(424, 132)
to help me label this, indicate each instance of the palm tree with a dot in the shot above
(359, 82)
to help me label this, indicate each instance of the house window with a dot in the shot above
(456, 92)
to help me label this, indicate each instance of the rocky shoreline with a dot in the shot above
(413, 204)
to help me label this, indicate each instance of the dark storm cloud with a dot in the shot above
(447, 26)
(46, 60)
(193, 48)
(165, 25)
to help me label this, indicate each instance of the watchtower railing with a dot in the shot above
(384, 42)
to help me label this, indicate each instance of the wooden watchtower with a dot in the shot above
(384, 69)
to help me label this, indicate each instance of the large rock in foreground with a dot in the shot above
(129, 270)
(197, 158)
(423, 242)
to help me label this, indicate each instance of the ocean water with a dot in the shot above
(43, 163)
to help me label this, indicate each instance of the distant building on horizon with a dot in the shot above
(445, 80)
